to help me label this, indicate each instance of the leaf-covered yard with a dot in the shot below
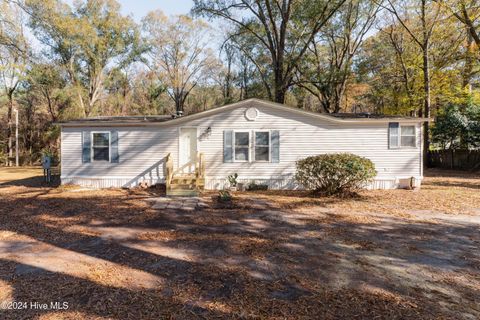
(122, 254)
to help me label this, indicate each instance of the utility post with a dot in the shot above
(16, 137)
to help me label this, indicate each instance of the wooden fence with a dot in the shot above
(455, 159)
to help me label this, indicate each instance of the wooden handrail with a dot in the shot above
(199, 168)
(168, 170)
(200, 165)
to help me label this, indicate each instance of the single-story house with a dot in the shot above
(258, 140)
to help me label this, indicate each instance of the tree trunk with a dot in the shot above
(50, 106)
(280, 79)
(228, 82)
(469, 63)
(325, 102)
(80, 101)
(280, 88)
(10, 92)
(178, 103)
(452, 163)
(426, 111)
(245, 84)
(470, 25)
(77, 87)
(90, 108)
(426, 82)
(9, 129)
(280, 95)
(340, 93)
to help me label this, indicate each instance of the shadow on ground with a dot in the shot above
(33, 182)
(112, 255)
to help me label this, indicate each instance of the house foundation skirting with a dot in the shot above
(111, 182)
(218, 183)
(288, 183)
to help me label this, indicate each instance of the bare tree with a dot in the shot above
(282, 29)
(467, 12)
(428, 14)
(327, 68)
(87, 40)
(179, 53)
(398, 43)
(228, 74)
(13, 58)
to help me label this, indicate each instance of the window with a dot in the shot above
(408, 136)
(262, 146)
(394, 129)
(242, 142)
(401, 136)
(101, 146)
(250, 146)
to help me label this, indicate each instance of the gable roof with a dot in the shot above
(172, 120)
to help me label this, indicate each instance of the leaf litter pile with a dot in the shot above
(269, 255)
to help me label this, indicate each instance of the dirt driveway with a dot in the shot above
(120, 254)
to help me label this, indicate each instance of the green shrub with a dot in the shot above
(232, 179)
(337, 173)
(224, 196)
(257, 187)
(457, 128)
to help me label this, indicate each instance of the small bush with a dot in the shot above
(339, 173)
(232, 179)
(224, 196)
(257, 187)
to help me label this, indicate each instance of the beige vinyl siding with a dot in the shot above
(142, 155)
(143, 149)
(301, 136)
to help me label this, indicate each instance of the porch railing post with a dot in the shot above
(169, 171)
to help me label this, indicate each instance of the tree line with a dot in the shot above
(405, 57)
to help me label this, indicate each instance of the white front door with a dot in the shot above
(188, 150)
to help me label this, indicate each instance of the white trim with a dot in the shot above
(109, 146)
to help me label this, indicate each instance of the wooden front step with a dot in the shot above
(182, 193)
(180, 184)
(183, 186)
(181, 180)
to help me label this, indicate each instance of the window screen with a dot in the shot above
(101, 146)
(262, 146)
(408, 136)
(242, 140)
